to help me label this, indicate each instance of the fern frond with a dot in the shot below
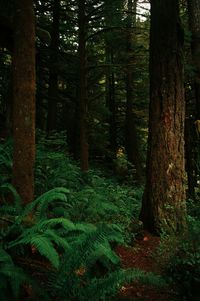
(105, 251)
(56, 239)
(100, 289)
(5, 258)
(54, 222)
(92, 245)
(7, 187)
(45, 247)
(42, 202)
(41, 242)
(10, 273)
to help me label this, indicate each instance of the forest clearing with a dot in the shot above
(100, 150)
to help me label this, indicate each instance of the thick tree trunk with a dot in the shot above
(194, 23)
(132, 147)
(163, 204)
(84, 148)
(110, 100)
(193, 142)
(24, 100)
(53, 69)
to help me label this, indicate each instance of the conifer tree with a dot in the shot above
(163, 204)
(24, 99)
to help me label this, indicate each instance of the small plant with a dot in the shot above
(5, 160)
(183, 267)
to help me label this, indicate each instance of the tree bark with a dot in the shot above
(53, 69)
(193, 142)
(24, 100)
(194, 24)
(110, 100)
(84, 147)
(132, 147)
(163, 205)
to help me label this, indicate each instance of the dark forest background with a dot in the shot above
(99, 143)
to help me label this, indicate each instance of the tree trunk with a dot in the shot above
(24, 100)
(163, 205)
(194, 24)
(132, 147)
(84, 148)
(53, 69)
(110, 99)
(194, 141)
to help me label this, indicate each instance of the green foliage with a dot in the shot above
(53, 165)
(10, 275)
(101, 288)
(90, 198)
(73, 228)
(5, 160)
(83, 262)
(183, 267)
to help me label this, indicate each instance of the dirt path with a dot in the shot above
(140, 257)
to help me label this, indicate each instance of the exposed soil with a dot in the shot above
(141, 257)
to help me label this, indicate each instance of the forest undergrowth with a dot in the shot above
(81, 238)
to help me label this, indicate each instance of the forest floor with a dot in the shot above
(142, 256)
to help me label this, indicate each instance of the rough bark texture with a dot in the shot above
(193, 141)
(132, 148)
(24, 100)
(164, 197)
(110, 74)
(84, 148)
(110, 100)
(53, 69)
(194, 23)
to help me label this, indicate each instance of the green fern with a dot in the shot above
(11, 275)
(9, 188)
(101, 289)
(76, 279)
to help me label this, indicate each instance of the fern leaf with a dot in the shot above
(46, 248)
(59, 241)
(7, 187)
(53, 222)
(5, 258)
(100, 289)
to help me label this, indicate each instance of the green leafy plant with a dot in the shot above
(5, 160)
(72, 228)
(183, 268)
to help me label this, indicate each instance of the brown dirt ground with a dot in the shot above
(141, 257)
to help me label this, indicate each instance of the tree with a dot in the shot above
(132, 145)
(192, 138)
(194, 24)
(53, 68)
(24, 99)
(84, 148)
(163, 203)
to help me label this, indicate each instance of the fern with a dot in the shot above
(101, 289)
(12, 275)
(8, 188)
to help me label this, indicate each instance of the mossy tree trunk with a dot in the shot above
(163, 205)
(24, 99)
